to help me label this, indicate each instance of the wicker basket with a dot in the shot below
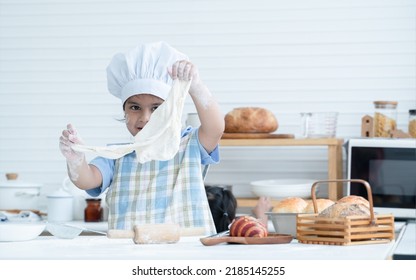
(350, 230)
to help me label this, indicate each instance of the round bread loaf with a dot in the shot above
(250, 120)
(247, 226)
(290, 205)
(322, 204)
(339, 210)
(354, 199)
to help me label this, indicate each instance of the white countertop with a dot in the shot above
(188, 248)
(406, 246)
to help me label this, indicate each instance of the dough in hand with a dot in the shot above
(160, 138)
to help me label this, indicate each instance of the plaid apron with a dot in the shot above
(155, 192)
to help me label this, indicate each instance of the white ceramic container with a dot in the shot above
(79, 197)
(60, 206)
(79, 200)
(15, 194)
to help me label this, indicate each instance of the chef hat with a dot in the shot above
(143, 69)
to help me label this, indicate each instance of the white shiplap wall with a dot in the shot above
(287, 56)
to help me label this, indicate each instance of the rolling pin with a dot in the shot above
(155, 233)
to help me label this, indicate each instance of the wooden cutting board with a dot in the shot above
(272, 238)
(256, 136)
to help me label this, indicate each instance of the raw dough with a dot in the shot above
(160, 138)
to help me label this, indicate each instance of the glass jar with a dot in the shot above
(412, 123)
(93, 212)
(385, 116)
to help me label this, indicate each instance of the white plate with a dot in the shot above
(282, 188)
(20, 231)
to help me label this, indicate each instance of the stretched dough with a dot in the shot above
(160, 138)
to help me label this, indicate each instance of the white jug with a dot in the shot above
(79, 195)
(60, 208)
(79, 200)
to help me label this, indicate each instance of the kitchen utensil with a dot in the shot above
(20, 231)
(283, 223)
(319, 124)
(256, 136)
(272, 238)
(16, 194)
(155, 233)
(60, 206)
(282, 188)
(68, 231)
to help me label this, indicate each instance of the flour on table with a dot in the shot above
(160, 138)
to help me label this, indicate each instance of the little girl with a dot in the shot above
(170, 191)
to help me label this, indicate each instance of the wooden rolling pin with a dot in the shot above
(155, 233)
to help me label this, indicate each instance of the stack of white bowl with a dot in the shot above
(282, 188)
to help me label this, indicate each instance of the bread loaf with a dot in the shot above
(290, 205)
(321, 203)
(354, 199)
(340, 210)
(247, 226)
(250, 120)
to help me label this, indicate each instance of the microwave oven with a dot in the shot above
(389, 166)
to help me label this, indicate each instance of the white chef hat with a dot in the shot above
(143, 69)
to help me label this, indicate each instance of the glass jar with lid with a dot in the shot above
(412, 123)
(385, 116)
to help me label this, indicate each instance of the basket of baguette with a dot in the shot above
(345, 223)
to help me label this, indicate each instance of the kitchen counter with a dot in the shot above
(99, 247)
(406, 243)
(188, 248)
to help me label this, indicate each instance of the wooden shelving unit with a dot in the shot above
(334, 146)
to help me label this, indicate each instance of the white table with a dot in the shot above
(188, 248)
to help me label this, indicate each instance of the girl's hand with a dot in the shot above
(185, 70)
(68, 138)
(264, 204)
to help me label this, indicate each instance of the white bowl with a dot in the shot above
(282, 188)
(21, 231)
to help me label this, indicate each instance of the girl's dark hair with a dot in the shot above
(223, 206)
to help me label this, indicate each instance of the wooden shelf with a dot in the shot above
(251, 202)
(334, 146)
(283, 142)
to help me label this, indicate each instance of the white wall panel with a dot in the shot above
(287, 56)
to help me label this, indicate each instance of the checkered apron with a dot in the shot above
(160, 191)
